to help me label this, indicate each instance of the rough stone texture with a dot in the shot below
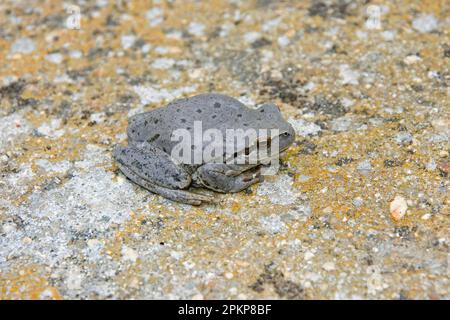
(371, 106)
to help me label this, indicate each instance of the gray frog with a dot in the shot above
(147, 159)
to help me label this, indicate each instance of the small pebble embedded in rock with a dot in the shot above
(398, 208)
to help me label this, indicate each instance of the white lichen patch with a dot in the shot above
(88, 204)
(163, 63)
(149, 95)
(11, 128)
(154, 16)
(127, 41)
(53, 167)
(304, 128)
(51, 129)
(196, 29)
(272, 224)
(348, 75)
(55, 58)
(93, 156)
(425, 23)
(23, 46)
(279, 191)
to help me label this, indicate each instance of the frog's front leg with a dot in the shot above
(223, 178)
(153, 169)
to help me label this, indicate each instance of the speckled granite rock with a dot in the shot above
(369, 99)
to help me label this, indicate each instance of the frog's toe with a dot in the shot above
(187, 197)
(192, 198)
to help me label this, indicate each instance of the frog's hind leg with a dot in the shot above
(154, 170)
(172, 194)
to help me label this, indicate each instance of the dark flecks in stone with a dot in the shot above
(111, 21)
(325, 106)
(388, 163)
(12, 90)
(287, 89)
(338, 9)
(126, 98)
(261, 43)
(97, 52)
(307, 147)
(446, 51)
(405, 232)
(318, 8)
(344, 160)
(284, 288)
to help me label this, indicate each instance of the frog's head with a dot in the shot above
(273, 119)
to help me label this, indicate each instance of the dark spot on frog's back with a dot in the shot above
(217, 105)
(154, 138)
(199, 110)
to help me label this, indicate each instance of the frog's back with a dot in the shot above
(213, 110)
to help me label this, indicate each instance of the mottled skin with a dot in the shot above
(147, 161)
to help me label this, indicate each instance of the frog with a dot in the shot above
(147, 159)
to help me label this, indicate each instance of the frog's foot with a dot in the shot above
(154, 170)
(215, 177)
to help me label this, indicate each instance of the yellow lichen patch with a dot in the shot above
(113, 246)
(235, 207)
(27, 283)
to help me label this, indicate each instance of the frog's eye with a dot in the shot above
(285, 134)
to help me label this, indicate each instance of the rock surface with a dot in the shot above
(370, 106)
